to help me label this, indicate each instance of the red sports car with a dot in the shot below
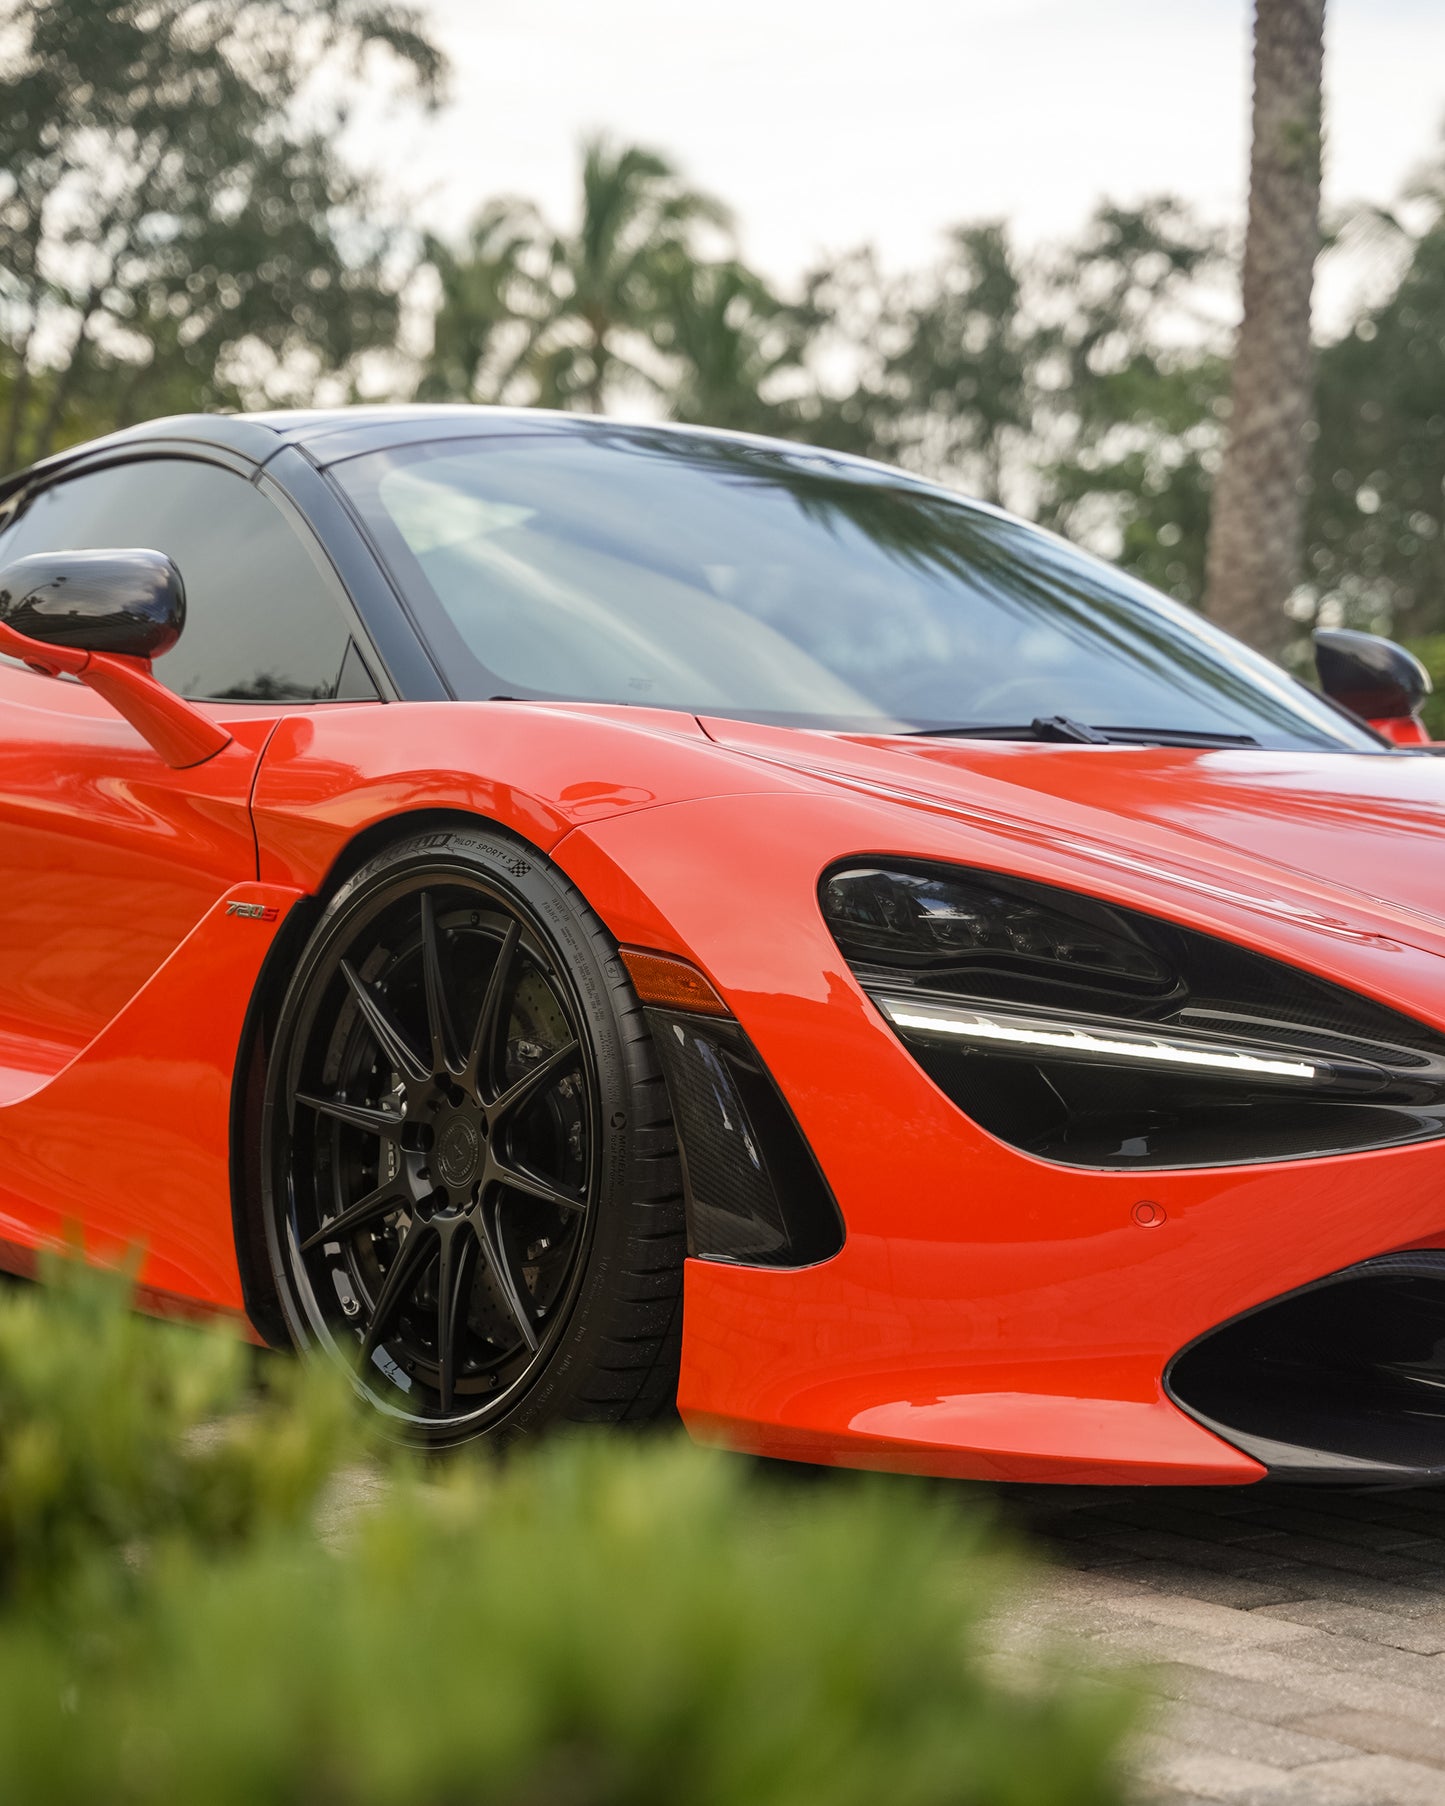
(571, 917)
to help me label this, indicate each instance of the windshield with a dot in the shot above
(721, 577)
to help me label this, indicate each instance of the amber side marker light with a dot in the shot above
(671, 984)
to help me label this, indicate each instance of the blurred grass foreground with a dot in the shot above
(585, 1623)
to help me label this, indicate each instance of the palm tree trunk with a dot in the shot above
(1256, 523)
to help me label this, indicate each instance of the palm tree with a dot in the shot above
(492, 302)
(1257, 515)
(638, 219)
(731, 340)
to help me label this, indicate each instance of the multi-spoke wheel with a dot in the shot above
(470, 1179)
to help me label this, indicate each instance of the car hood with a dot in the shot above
(1349, 839)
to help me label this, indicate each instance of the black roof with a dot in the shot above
(330, 434)
(258, 437)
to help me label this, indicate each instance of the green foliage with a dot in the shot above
(1083, 384)
(1137, 371)
(589, 1624)
(1080, 385)
(1376, 527)
(491, 303)
(1430, 650)
(733, 343)
(176, 227)
(179, 231)
(104, 1437)
(563, 319)
(956, 386)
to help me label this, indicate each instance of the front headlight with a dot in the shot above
(1099, 1036)
(936, 919)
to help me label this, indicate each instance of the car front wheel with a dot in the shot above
(469, 1173)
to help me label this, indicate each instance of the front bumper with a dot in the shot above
(990, 1314)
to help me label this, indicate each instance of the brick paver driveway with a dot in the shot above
(1294, 1637)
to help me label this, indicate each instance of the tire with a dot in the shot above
(470, 1181)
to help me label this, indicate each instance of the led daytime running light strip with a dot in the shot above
(1091, 1044)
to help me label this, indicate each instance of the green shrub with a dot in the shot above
(1430, 650)
(112, 1435)
(590, 1623)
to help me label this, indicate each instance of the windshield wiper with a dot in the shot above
(1065, 728)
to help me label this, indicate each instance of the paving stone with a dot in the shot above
(1382, 1735)
(1272, 1744)
(1192, 1551)
(1140, 1588)
(1424, 1635)
(1376, 1564)
(1280, 1665)
(1401, 1666)
(1357, 1589)
(1062, 1619)
(1163, 1762)
(1083, 1527)
(1249, 1592)
(1199, 1618)
(1252, 1699)
(1425, 1510)
(1335, 1526)
(1369, 1781)
(1086, 1557)
(1184, 1593)
(1198, 1520)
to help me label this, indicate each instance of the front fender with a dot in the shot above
(985, 1302)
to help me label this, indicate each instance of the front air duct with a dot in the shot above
(1342, 1380)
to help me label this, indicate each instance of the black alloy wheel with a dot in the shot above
(471, 1183)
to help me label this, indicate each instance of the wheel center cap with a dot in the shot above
(458, 1153)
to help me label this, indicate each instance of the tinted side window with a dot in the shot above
(261, 621)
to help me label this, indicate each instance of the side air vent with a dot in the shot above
(755, 1195)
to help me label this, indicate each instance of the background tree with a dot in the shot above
(637, 219)
(735, 347)
(1377, 502)
(1079, 384)
(1258, 508)
(1132, 373)
(854, 322)
(962, 374)
(564, 318)
(492, 301)
(175, 220)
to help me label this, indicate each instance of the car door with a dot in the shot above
(108, 857)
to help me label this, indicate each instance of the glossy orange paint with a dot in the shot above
(538, 770)
(108, 859)
(178, 731)
(1408, 730)
(989, 1314)
(129, 1144)
(992, 1314)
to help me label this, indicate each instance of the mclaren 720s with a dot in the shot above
(576, 920)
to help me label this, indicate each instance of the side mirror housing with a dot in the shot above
(1375, 679)
(102, 617)
(131, 603)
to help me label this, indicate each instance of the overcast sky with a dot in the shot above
(825, 123)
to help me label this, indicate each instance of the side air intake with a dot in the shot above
(1342, 1380)
(755, 1194)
